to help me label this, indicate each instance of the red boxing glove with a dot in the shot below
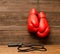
(43, 29)
(33, 21)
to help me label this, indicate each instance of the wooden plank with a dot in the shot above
(22, 35)
(51, 49)
(17, 18)
(22, 28)
(13, 6)
(49, 41)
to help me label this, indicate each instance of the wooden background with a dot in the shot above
(13, 20)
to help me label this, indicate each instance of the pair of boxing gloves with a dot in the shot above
(37, 23)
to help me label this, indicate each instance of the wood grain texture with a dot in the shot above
(13, 20)
(51, 49)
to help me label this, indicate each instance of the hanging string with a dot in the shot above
(38, 6)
